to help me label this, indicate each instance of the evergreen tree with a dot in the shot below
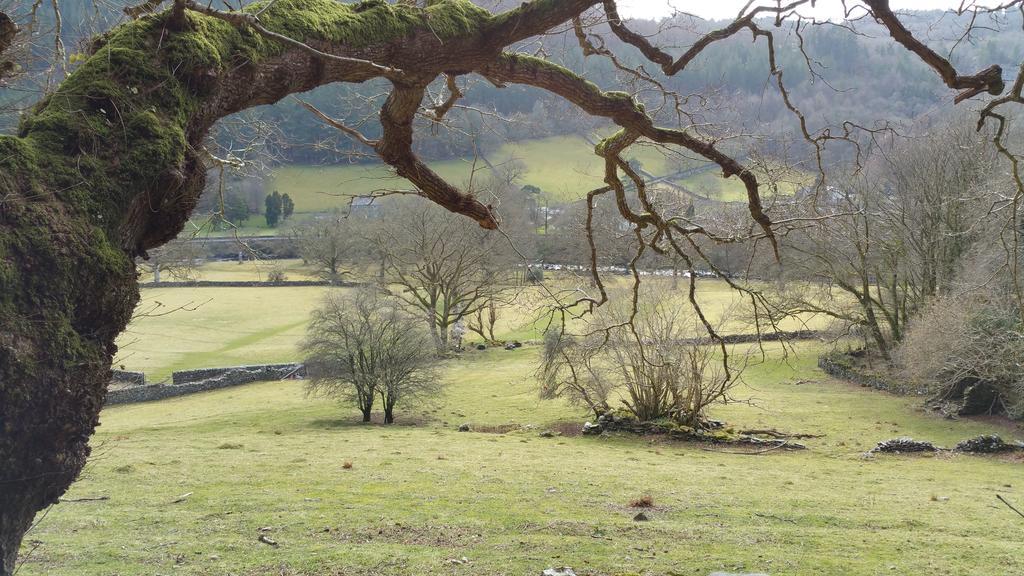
(287, 206)
(273, 209)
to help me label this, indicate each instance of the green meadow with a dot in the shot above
(191, 484)
(565, 168)
(188, 328)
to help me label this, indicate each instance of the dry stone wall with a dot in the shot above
(192, 381)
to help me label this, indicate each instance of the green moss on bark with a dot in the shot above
(370, 22)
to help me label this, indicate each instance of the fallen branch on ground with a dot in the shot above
(776, 434)
(1008, 505)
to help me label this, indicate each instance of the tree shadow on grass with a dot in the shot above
(376, 421)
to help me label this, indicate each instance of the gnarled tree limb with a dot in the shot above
(988, 80)
(8, 32)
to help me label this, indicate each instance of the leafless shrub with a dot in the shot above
(949, 348)
(966, 338)
(649, 353)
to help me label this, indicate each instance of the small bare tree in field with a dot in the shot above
(484, 321)
(362, 347)
(570, 370)
(649, 355)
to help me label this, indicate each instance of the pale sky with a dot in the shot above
(721, 9)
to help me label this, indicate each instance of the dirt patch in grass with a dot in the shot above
(1016, 456)
(375, 420)
(566, 428)
(1001, 421)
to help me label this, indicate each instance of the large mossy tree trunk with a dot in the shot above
(110, 166)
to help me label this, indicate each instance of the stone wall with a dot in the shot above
(192, 381)
(242, 284)
(236, 375)
(771, 336)
(132, 378)
(838, 366)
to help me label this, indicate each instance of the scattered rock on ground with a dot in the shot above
(985, 444)
(464, 428)
(547, 434)
(904, 444)
(563, 571)
(640, 517)
(589, 428)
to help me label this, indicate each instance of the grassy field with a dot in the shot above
(264, 460)
(248, 270)
(712, 185)
(564, 167)
(187, 328)
(323, 188)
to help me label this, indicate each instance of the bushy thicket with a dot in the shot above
(972, 336)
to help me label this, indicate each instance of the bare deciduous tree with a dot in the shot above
(442, 267)
(176, 258)
(329, 243)
(883, 245)
(363, 347)
(484, 320)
